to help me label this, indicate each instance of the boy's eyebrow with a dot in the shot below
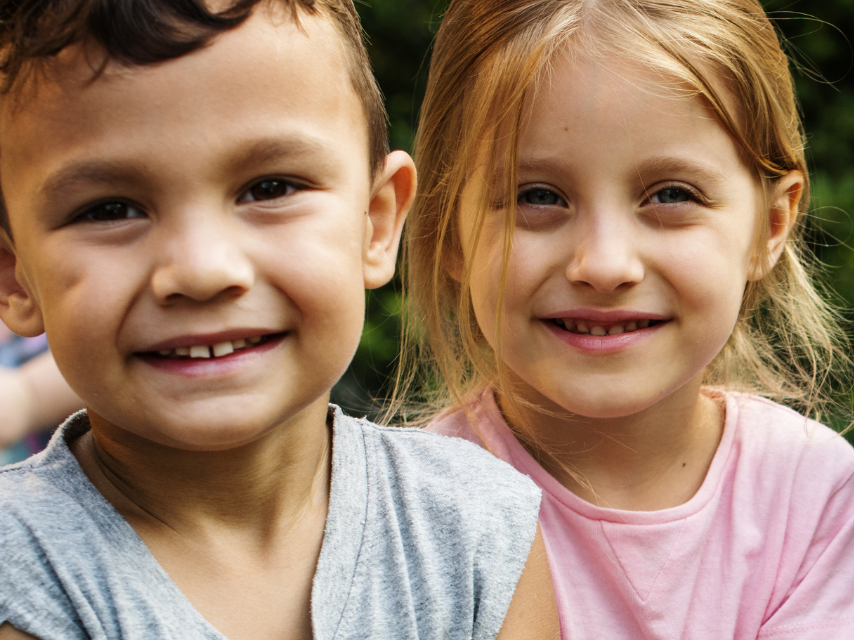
(268, 149)
(76, 174)
(89, 172)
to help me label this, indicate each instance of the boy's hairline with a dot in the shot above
(291, 12)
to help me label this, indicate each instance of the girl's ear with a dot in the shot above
(18, 309)
(454, 265)
(393, 193)
(783, 214)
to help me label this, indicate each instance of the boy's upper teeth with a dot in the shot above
(217, 350)
(200, 351)
(222, 349)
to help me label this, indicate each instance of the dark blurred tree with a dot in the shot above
(818, 42)
(817, 35)
(399, 33)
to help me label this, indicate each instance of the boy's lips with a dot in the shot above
(210, 345)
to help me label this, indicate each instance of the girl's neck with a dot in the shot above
(254, 490)
(651, 460)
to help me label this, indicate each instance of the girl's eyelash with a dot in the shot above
(673, 192)
(543, 195)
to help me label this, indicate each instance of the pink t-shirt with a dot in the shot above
(765, 549)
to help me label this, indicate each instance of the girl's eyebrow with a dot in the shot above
(677, 166)
(667, 165)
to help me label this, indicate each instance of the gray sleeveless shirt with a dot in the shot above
(425, 538)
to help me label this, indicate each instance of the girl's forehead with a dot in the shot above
(584, 109)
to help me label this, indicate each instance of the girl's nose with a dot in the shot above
(606, 256)
(202, 260)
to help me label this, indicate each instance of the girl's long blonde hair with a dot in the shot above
(488, 59)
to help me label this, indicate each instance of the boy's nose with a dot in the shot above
(606, 256)
(202, 261)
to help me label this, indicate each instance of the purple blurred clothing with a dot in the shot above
(15, 351)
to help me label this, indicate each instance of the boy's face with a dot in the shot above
(212, 200)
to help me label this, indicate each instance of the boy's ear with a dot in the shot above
(783, 214)
(393, 193)
(18, 309)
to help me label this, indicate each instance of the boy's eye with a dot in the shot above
(110, 211)
(541, 197)
(267, 190)
(671, 195)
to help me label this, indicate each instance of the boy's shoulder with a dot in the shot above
(40, 479)
(446, 469)
(425, 536)
(67, 558)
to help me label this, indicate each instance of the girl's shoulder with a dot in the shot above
(770, 431)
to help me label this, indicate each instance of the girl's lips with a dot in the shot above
(603, 337)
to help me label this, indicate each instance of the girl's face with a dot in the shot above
(636, 227)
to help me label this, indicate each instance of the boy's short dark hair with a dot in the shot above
(139, 32)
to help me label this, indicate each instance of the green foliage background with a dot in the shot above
(817, 33)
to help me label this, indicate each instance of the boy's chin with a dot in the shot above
(211, 427)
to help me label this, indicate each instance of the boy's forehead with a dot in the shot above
(268, 70)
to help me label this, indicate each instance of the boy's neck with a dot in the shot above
(239, 531)
(254, 487)
(652, 460)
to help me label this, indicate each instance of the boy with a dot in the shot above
(193, 203)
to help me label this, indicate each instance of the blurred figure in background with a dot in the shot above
(34, 396)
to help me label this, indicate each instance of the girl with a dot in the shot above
(605, 258)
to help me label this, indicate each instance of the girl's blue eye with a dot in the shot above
(111, 211)
(671, 195)
(268, 190)
(540, 197)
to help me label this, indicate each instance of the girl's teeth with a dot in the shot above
(254, 339)
(598, 330)
(239, 344)
(222, 349)
(200, 351)
(182, 351)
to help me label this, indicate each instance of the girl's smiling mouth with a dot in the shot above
(602, 329)
(596, 331)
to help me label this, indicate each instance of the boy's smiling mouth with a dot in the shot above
(204, 350)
